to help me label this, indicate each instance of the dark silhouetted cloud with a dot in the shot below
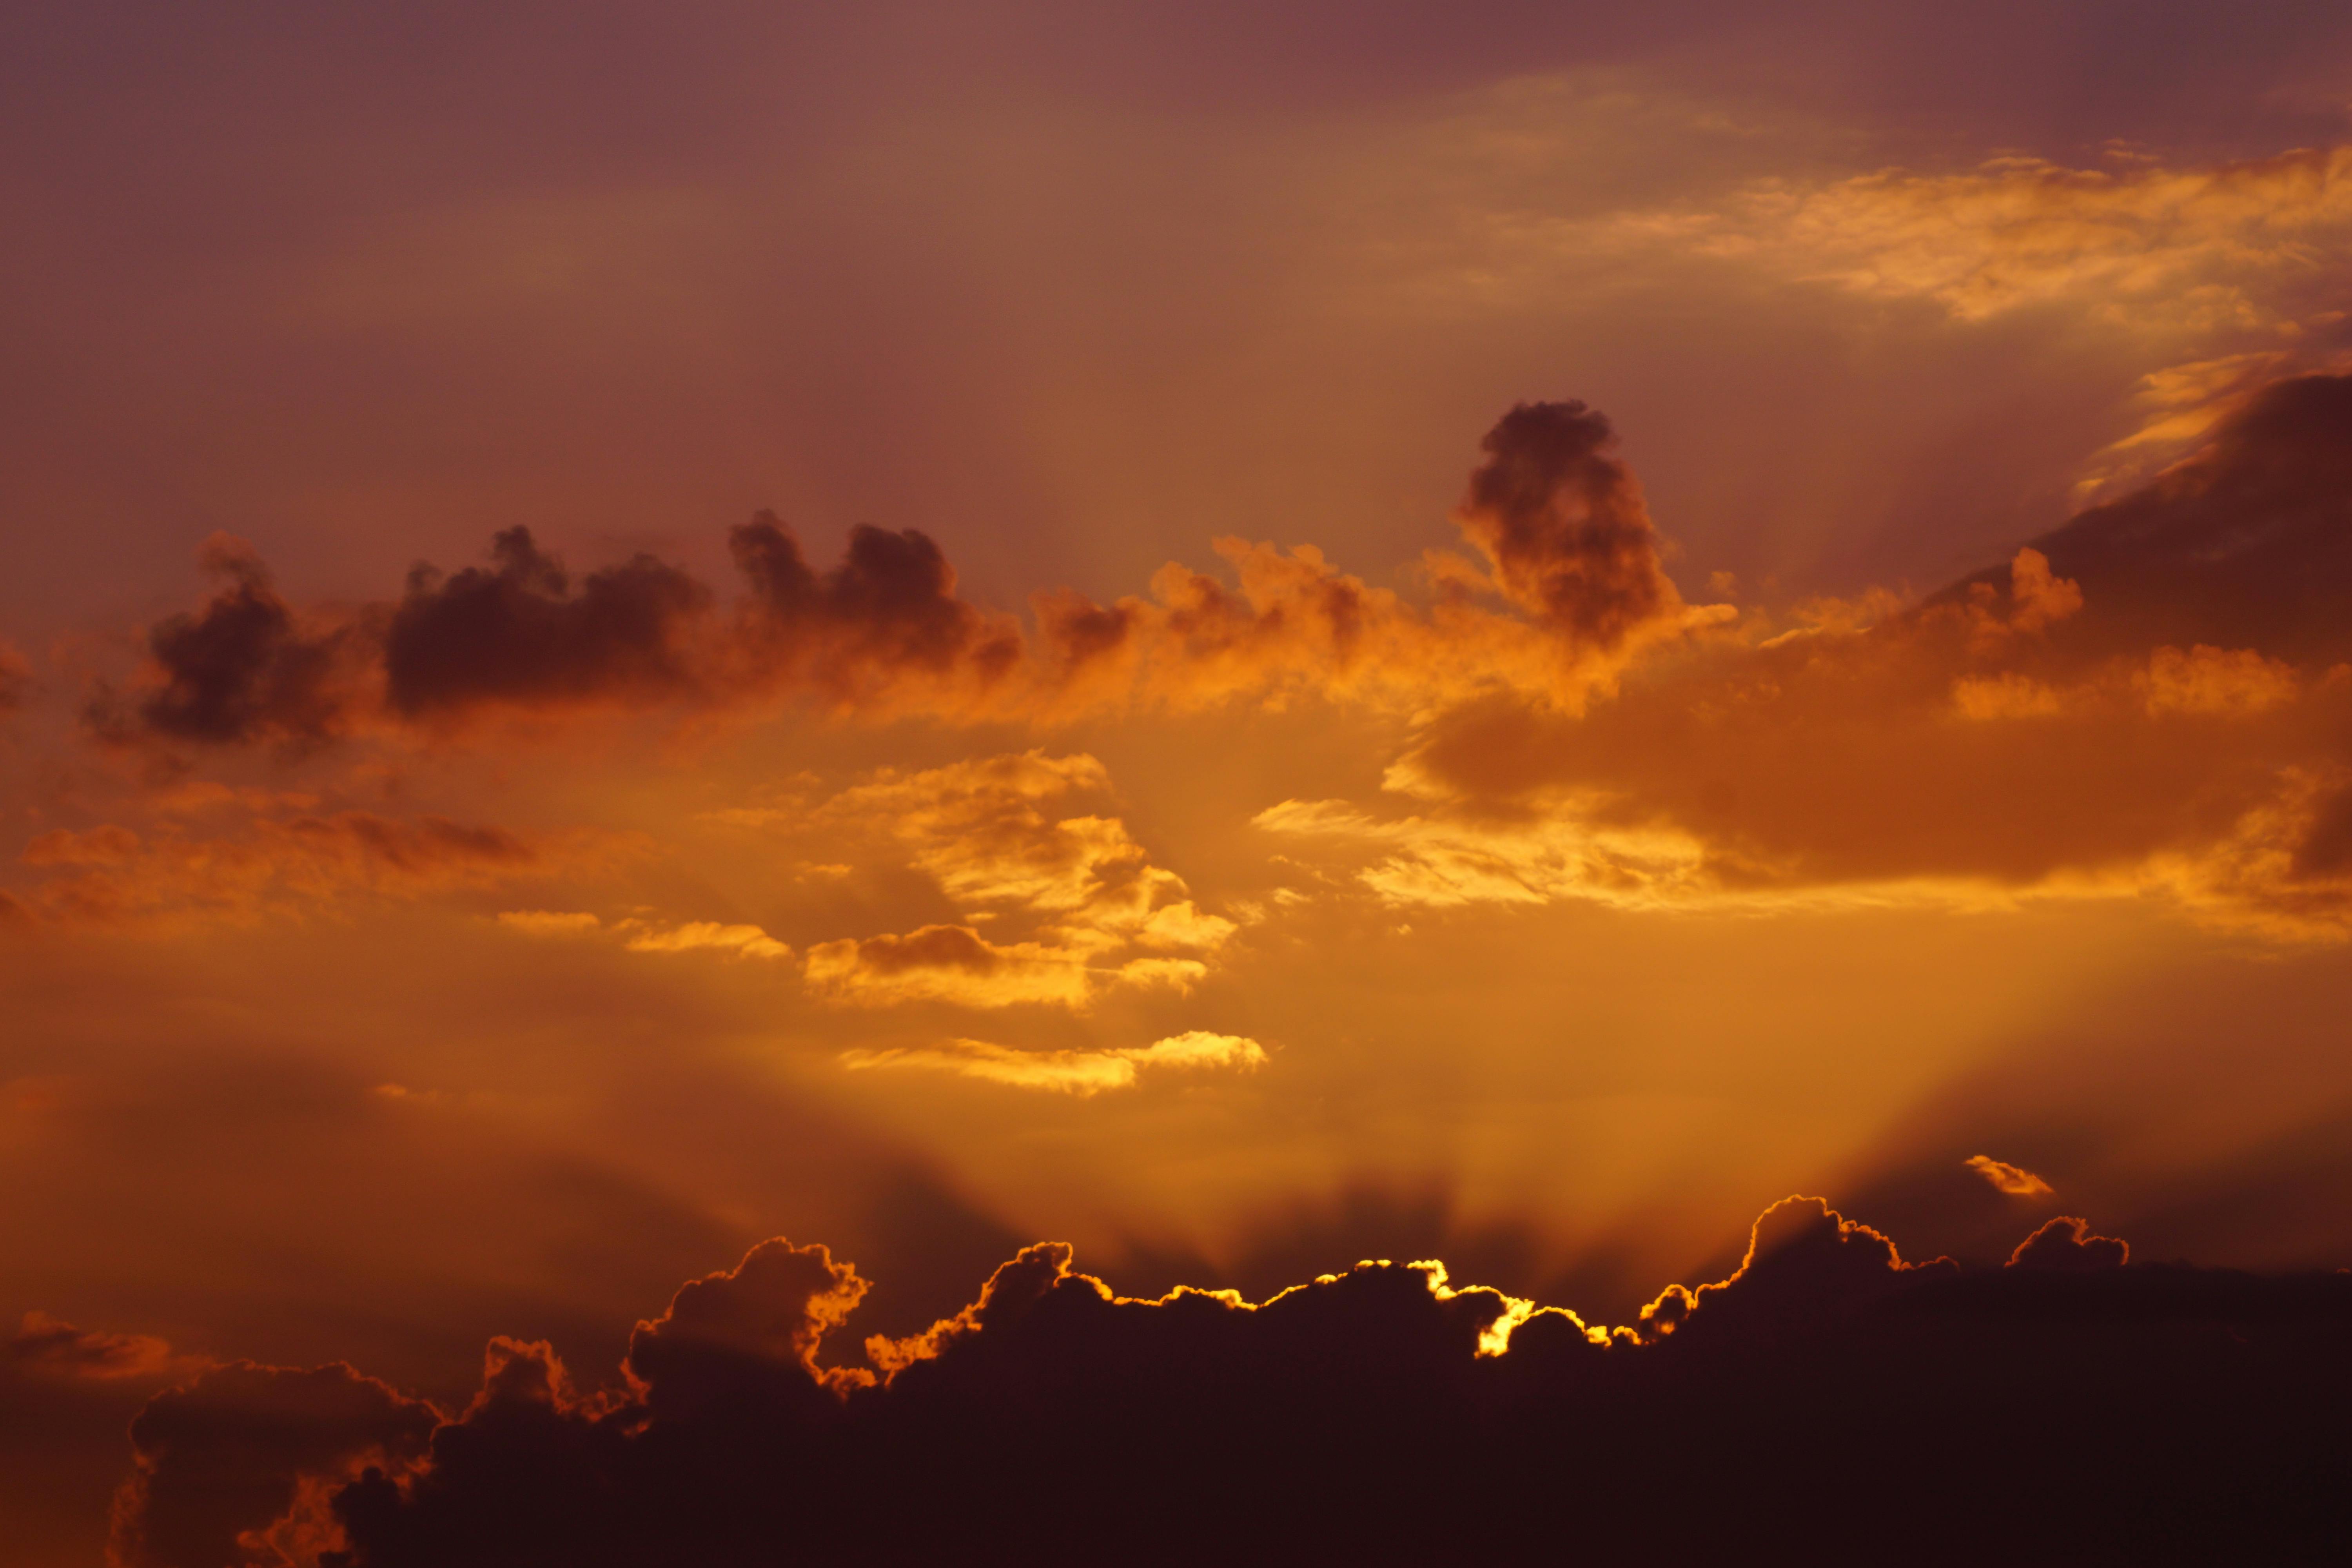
(517, 633)
(1563, 524)
(2071, 1408)
(245, 667)
(234, 1452)
(2067, 1242)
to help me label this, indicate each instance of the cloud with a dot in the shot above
(730, 1337)
(2015, 1180)
(1375, 1408)
(46, 1344)
(551, 922)
(741, 941)
(2144, 701)
(238, 1451)
(244, 668)
(2066, 1243)
(1805, 1264)
(884, 633)
(955, 963)
(1005, 837)
(887, 617)
(990, 832)
(640, 935)
(517, 634)
(1562, 523)
(2176, 249)
(1066, 1072)
(278, 865)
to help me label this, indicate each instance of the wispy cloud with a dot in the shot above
(1067, 1072)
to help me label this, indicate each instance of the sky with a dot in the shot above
(1233, 637)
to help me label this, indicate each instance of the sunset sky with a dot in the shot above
(1243, 637)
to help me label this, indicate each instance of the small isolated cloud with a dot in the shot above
(743, 940)
(551, 922)
(2015, 1180)
(1067, 1072)
(645, 936)
(2066, 1243)
(51, 1345)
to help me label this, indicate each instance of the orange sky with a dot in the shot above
(1505, 639)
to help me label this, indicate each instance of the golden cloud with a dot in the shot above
(1080, 1073)
(2015, 1180)
(955, 963)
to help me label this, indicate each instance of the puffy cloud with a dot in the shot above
(246, 668)
(225, 1463)
(885, 618)
(1066, 1072)
(1562, 523)
(2067, 1242)
(2141, 702)
(2015, 1180)
(1574, 558)
(47, 1345)
(1805, 1264)
(515, 632)
(1372, 1409)
(727, 1337)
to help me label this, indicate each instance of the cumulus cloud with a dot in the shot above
(1066, 1072)
(2144, 701)
(518, 633)
(887, 615)
(2067, 1242)
(1562, 523)
(1576, 583)
(1374, 1409)
(734, 1336)
(2015, 1180)
(1805, 1264)
(241, 1455)
(245, 667)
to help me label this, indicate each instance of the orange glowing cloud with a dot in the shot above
(2015, 1180)
(1066, 1072)
(1568, 545)
(2150, 700)
(956, 963)
(50, 1345)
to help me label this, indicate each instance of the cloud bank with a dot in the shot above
(2070, 1406)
